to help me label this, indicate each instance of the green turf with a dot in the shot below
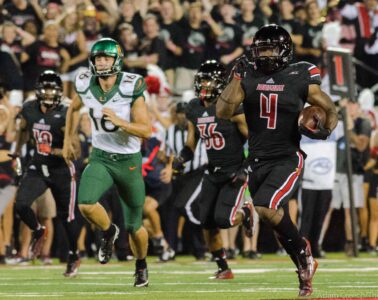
(272, 277)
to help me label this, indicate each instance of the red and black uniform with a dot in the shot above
(220, 197)
(45, 170)
(272, 105)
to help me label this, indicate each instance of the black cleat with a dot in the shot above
(106, 247)
(38, 239)
(141, 278)
(73, 264)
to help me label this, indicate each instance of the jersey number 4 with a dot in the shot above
(268, 109)
(213, 139)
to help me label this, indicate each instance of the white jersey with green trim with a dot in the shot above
(120, 98)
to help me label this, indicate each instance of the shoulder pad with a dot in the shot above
(310, 71)
(82, 81)
(131, 85)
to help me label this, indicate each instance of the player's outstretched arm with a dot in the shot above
(317, 97)
(140, 124)
(70, 129)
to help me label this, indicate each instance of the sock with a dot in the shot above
(27, 215)
(140, 264)
(246, 211)
(220, 259)
(72, 231)
(288, 246)
(110, 231)
(287, 230)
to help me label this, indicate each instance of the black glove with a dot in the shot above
(319, 133)
(241, 65)
(17, 167)
(178, 165)
(241, 174)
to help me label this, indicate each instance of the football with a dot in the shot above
(310, 115)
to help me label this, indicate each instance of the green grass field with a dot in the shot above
(272, 277)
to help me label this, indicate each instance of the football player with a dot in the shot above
(119, 120)
(43, 120)
(225, 179)
(273, 93)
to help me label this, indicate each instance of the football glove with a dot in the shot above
(319, 133)
(241, 174)
(178, 165)
(241, 65)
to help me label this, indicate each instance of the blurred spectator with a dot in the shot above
(359, 131)
(312, 45)
(152, 49)
(73, 39)
(362, 19)
(317, 185)
(130, 15)
(20, 11)
(129, 42)
(92, 28)
(197, 29)
(248, 21)
(227, 46)
(44, 54)
(287, 20)
(13, 43)
(7, 190)
(172, 35)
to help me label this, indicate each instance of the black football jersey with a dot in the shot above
(45, 129)
(222, 138)
(272, 105)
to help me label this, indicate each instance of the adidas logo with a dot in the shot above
(270, 81)
(42, 121)
(205, 114)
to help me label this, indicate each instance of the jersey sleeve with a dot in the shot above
(313, 73)
(82, 82)
(139, 88)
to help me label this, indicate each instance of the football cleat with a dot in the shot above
(46, 260)
(73, 264)
(106, 246)
(248, 221)
(306, 270)
(167, 255)
(38, 239)
(223, 274)
(141, 278)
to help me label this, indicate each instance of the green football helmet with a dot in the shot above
(106, 47)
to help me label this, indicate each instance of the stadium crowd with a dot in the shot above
(166, 42)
